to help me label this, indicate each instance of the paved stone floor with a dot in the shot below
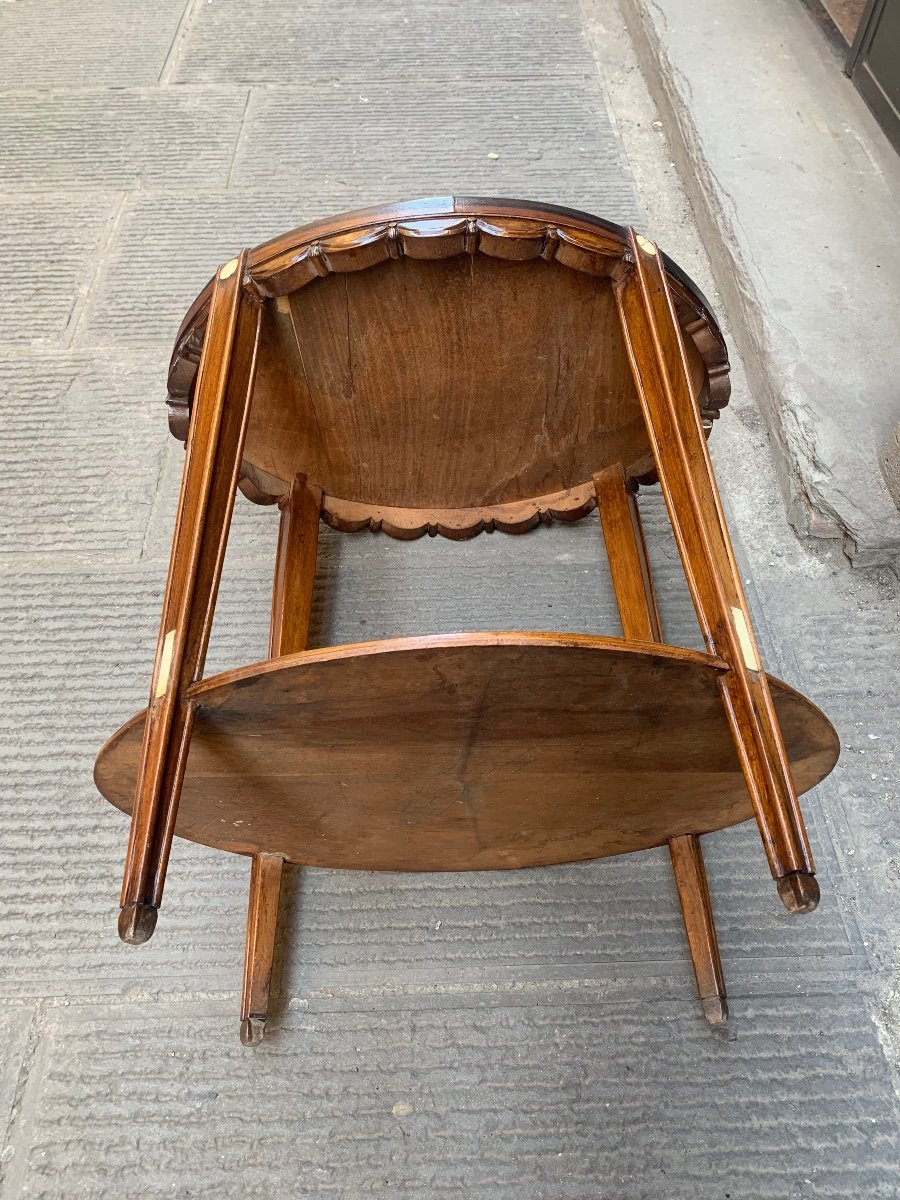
(529, 1034)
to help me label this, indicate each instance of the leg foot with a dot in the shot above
(253, 1030)
(262, 918)
(137, 922)
(799, 891)
(715, 1009)
(693, 894)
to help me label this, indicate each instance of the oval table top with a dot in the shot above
(466, 752)
(447, 365)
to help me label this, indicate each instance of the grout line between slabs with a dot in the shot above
(18, 1128)
(290, 88)
(81, 308)
(237, 141)
(178, 39)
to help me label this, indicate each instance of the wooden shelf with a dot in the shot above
(465, 752)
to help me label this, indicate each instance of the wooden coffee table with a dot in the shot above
(447, 366)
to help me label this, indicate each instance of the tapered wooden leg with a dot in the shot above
(660, 368)
(693, 894)
(212, 463)
(262, 922)
(626, 550)
(295, 569)
(295, 573)
(627, 554)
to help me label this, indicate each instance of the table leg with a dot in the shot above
(693, 894)
(262, 922)
(295, 569)
(626, 550)
(212, 464)
(292, 590)
(660, 369)
(627, 554)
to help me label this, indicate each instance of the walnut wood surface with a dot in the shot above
(626, 551)
(430, 365)
(696, 908)
(465, 752)
(295, 569)
(292, 590)
(450, 366)
(629, 565)
(262, 925)
(662, 373)
(204, 515)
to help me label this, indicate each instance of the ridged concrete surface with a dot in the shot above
(109, 43)
(136, 139)
(376, 140)
(50, 244)
(537, 1100)
(530, 1034)
(335, 40)
(93, 506)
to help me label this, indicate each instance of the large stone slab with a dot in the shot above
(119, 139)
(51, 242)
(287, 43)
(18, 1037)
(303, 155)
(83, 455)
(796, 190)
(371, 141)
(167, 246)
(107, 43)
(537, 1100)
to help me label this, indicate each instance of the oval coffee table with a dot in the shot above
(449, 366)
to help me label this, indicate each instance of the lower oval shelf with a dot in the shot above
(465, 752)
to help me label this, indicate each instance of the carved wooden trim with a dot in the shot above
(442, 228)
(459, 524)
(513, 239)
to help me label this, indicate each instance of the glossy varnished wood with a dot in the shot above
(259, 954)
(465, 752)
(292, 591)
(663, 377)
(696, 909)
(626, 551)
(389, 338)
(632, 579)
(450, 366)
(212, 464)
(295, 569)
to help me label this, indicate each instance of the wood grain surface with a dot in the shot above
(466, 751)
(205, 504)
(662, 373)
(431, 365)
